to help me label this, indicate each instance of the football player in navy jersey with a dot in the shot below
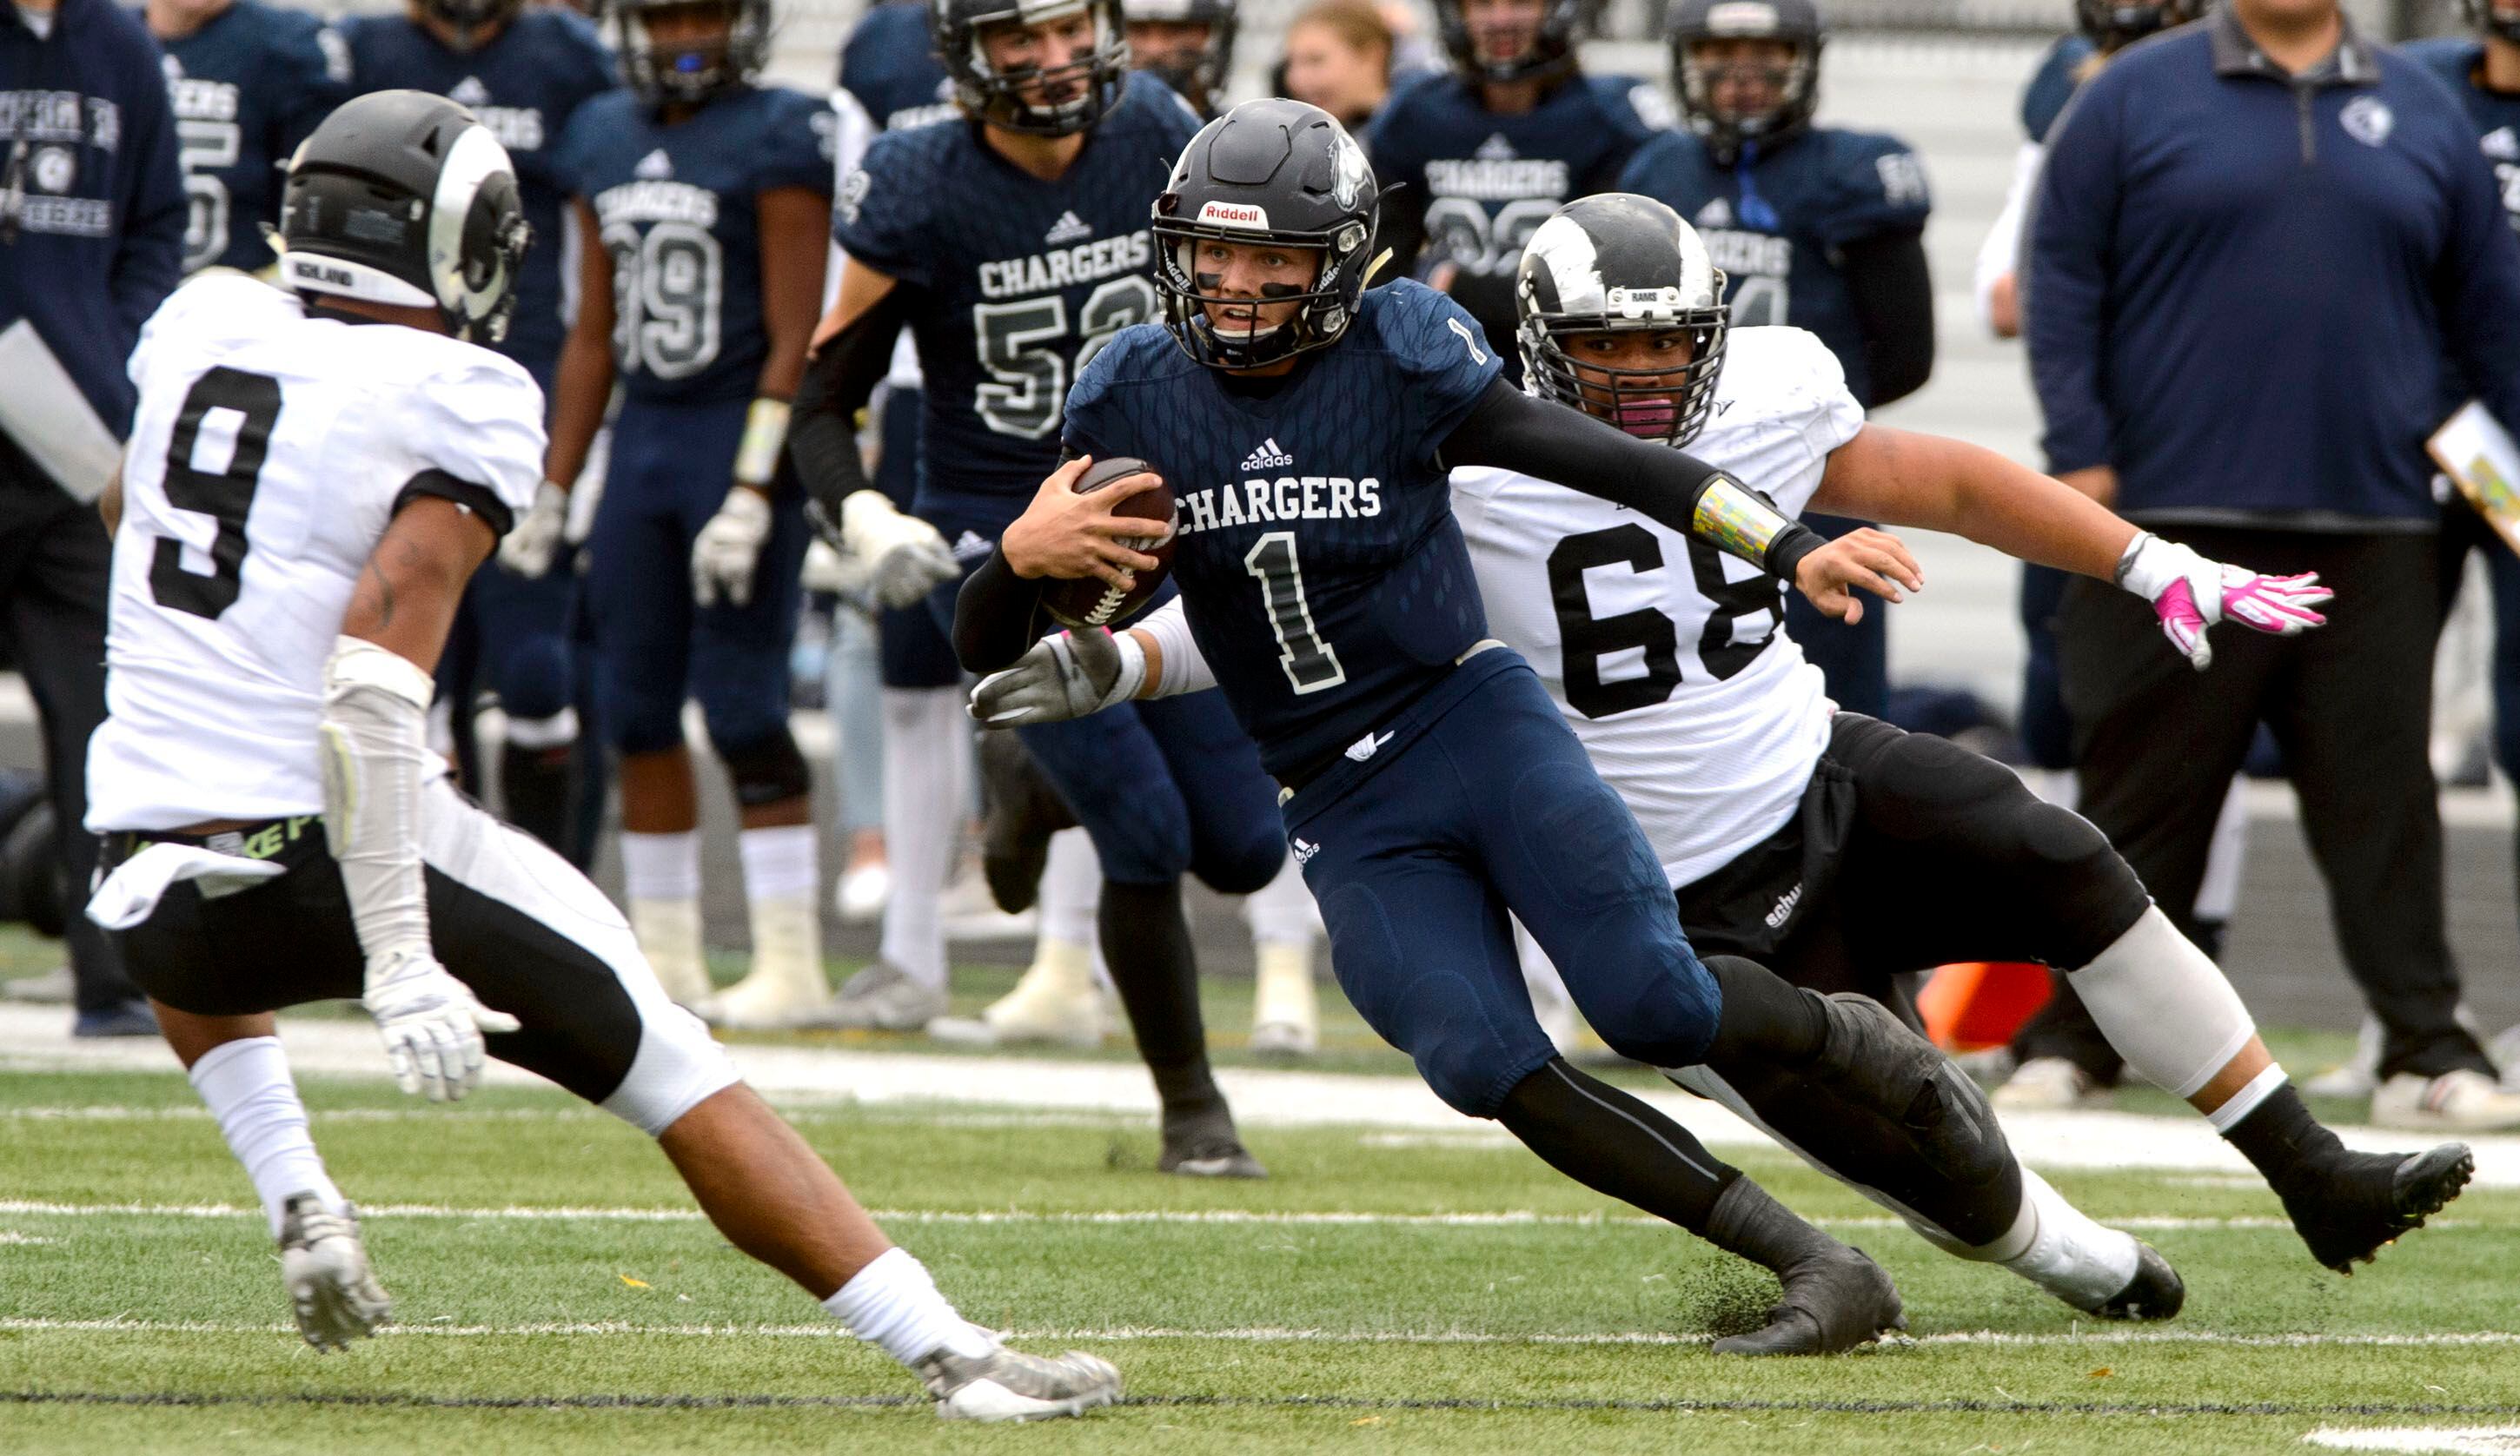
(1014, 246)
(248, 83)
(1818, 227)
(1186, 43)
(700, 201)
(1473, 158)
(1430, 787)
(525, 73)
(889, 64)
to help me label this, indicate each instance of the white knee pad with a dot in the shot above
(2165, 1005)
(679, 1065)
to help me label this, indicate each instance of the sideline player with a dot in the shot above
(524, 72)
(1014, 246)
(700, 203)
(310, 481)
(1818, 227)
(1472, 159)
(1187, 44)
(248, 82)
(1429, 785)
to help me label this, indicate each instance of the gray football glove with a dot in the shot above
(1065, 676)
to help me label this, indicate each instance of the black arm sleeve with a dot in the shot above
(1894, 309)
(1402, 230)
(997, 616)
(838, 380)
(1514, 431)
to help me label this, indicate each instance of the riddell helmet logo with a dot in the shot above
(1235, 215)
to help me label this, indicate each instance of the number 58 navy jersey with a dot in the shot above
(1325, 578)
(1025, 281)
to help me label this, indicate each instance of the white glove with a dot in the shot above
(827, 568)
(729, 546)
(535, 538)
(908, 558)
(432, 1024)
(1068, 675)
(2190, 592)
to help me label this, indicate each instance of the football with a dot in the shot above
(1092, 602)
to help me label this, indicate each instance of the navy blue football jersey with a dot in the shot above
(1774, 223)
(2052, 84)
(525, 84)
(1489, 180)
(247, 89)
(1024, 282)
(1326, 581)
(679, 209)
(2494, 114)
(889, 64)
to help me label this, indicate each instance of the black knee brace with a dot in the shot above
(767, 770)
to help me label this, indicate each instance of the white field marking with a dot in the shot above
(1320, 1218)
(11, 1236)
(1268, 1335)
(34, 1039)
(2455, 1441)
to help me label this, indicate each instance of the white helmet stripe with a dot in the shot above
(1574, 265)
(476, 156)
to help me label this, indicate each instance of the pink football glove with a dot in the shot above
(2189, 592)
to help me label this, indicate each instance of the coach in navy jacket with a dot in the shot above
(92, 216)
(2265, 258)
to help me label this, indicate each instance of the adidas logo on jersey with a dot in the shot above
(469, 92)
(1715, 214)
(1305, 850)
(968, 546)
(1269, 456)
(653, 165)
(1495, 148)
(1069, 229)
(2501, 144)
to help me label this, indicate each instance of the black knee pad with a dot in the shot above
(768, 770)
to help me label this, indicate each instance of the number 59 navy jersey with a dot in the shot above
(1026, 282)
(1325, 578)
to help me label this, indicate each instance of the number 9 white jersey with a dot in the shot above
(1668, 658)
(268, 452)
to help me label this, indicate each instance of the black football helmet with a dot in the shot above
(1615, 262)
(2486, 18)
(692, 72)
(1200, 80)
(401, 197)
(1268, 171)
(469, 18)
(994, 96)
(2113, 25)
(1795, 22)
(1551, 53)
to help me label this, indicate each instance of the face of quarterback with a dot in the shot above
(1057, 52)
(1744, 77)
(1632, 378)
(1239, 279)
(1503, 30)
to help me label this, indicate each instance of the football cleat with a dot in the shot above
(1054, 1002)
(2156, 1292)
(2349, 1205)
(1835, 1298)
(2460, 1101)
(1024, 810)
(1204, 1145)
(325, 1267)
(2050, 1084)
(881, 998)
(1008, 1385)
(1873, 1056)
(1285, 1012)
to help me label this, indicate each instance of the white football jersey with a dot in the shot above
(268, 452)
(1668, 657)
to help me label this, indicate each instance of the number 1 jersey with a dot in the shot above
(1665, 655)
(268, 452)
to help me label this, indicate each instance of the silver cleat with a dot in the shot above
(325, 1267)
(1008, 1385)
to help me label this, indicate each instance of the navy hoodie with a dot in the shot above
(92, 206)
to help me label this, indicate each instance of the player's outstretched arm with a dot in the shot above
(1512, 430)
(375, 737)
(1939, 484)
(1071, 675)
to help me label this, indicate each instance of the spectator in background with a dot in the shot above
(91, 242)
(1338, 58)
(249, 81)
(2263, 255)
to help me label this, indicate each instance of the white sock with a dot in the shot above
(2240, 1104)
(782, 887)
(892, 1302)
(2165, 1005)
(661, 866)
(246, 1084)
(2069, 1254)
(558, 730)
(779, 863)
(2218, 892)
(1071, 887)
(1282, 913)
(926, 756)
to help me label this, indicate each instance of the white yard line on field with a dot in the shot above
(33, 1039)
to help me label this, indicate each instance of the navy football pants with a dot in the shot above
(1483, 802)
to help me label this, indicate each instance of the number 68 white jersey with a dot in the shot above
(1667, 657)
(268, 452)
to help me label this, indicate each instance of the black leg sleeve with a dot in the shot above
(1146, 938)
(1614, 1144)
(1865, 1148)
(1766, 1021)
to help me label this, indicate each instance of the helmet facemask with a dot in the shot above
(1191, 288)
(690, 71)
(1551, 54)
(2491, 19)
(469, 18)
(1791, 78)
(1665, 403)
(1092, 82)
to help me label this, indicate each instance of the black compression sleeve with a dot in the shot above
(1514, 431)
(838, 380)
(1401, 229)
(997, 616)
(1893, 293)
